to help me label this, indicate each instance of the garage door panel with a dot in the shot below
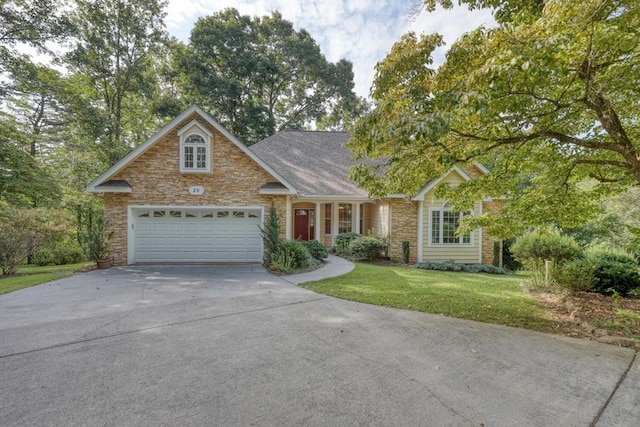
(175, 227)
(159, 227)
(191, 227)
(227, 235)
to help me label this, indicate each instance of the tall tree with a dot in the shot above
(113, 48)
(260, 75)
(549, 99)
(28, 22)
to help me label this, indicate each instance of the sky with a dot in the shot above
(361, 31)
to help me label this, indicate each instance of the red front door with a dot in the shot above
(303, 227)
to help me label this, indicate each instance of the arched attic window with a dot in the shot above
(195, 149)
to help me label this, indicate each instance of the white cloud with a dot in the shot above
(361, 31)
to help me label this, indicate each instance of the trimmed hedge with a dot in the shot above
(468, 268)
(316, 249)
(342, 243)
(367, 247)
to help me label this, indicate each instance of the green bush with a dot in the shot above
(614, 270)
(290, 256)
(575, 275)
(534, 248)
(469, 268)
(271, 234)
(316, 249)
(367, 247)
(65, 252)
(405, 251)
(342, 243)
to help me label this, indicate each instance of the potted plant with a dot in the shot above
(94, 236)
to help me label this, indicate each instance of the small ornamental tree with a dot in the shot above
(94, 234)
(271, 234)
(20, 235)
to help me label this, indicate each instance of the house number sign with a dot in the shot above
(196, 190)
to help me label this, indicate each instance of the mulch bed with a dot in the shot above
(590, 315)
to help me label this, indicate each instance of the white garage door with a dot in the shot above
(197, 235)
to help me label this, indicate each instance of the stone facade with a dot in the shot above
(494, 206)
(404, 226)
(156, 179)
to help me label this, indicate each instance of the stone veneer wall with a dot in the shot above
(494, 206)
(155, 177)
(404, 226)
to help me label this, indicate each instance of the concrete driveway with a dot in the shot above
(233, 345)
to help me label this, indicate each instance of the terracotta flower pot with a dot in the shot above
(104, 263)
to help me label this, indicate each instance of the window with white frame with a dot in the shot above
(195, 153)
(344, 218)
(443, 224)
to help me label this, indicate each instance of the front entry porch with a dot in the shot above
(323, 220)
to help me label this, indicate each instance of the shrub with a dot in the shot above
(615, 270)
(21, 234)
(342, 243)
(291, 255)
(534, 248)
(367, 247)
(575, 275)
(271, 234)
(94, 233)
(64, 252)
(316, 249)
(469, 268)
(405, 251)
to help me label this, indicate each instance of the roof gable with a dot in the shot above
(142, 148)
(454, 170)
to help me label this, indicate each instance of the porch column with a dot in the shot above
(421, 231)
(317, 225)
(287, 222)
(335, 213)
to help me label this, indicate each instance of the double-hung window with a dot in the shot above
(195, 152)
(443, 224)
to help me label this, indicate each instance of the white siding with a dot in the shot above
(468, 253)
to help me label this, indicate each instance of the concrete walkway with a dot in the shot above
(232, 345)
(335, 266)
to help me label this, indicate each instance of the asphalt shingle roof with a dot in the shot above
(316, 163)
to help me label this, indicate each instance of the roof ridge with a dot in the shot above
(310, 131)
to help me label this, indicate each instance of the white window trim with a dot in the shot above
(430, 227)
(195, 128)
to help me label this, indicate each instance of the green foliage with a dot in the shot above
(94, 233)
(112, 54)
(20, 235)
(259, 75)
(271, 234)
(548, 100)
(575, 275)
(367, 247)
(290, 256)
(61, 253)
(316, 249)
(534, 248)
(405, 251)
(614, 270)
(468, 268)
(342, 243)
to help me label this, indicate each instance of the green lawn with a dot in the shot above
(487, 298)
(30, 275)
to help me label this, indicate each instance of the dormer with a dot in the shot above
(195, 148)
